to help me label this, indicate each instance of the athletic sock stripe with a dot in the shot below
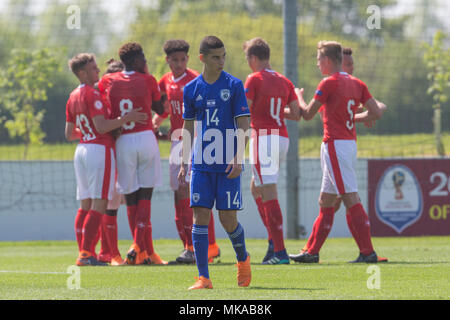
(237, 232)
(197, 230)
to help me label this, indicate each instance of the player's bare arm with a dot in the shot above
(157, 121)
(188, 138)
(103, 125)
(308, 110)
(158, 106)
(235, 168)
(374, 111)
(292, 111)
(72, 132)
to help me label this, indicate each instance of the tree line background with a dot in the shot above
(398, 62)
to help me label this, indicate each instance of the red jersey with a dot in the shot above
(341, 94)
(127, 91)
(83, 105)
(270, 92)
(174, 90)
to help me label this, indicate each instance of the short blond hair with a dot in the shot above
(80, 61)
(332, 50)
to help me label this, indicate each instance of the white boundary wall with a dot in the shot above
(40, 206)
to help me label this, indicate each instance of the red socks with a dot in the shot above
(79, 222)
(262, 213)
(109, 231)
(131, 213)
(311, 236)
(90, 229)
(179, 223)
(275, 223)
(141, 223)
(359, 225)
(323, 223)
(187, 221)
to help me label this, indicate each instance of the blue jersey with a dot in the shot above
(214, 107)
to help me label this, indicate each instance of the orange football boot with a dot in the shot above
(213, 252)
(156, 259)
(201, 283)
(132, 254)
(244, 273)
(117, 261)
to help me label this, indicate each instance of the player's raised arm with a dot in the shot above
(308, 110)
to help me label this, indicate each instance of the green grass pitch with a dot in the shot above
(418, 269)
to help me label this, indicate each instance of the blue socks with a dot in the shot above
(201, 243)
(238, 240)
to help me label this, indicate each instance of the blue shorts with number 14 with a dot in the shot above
(209, 187)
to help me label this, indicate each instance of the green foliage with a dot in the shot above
(23, 84)
(437, 60)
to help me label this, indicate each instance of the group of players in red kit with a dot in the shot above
(118, 160)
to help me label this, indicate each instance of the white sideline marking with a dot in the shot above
(31, 272)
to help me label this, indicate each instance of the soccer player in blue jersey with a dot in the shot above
(215, 104)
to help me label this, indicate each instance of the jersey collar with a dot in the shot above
(179, 78)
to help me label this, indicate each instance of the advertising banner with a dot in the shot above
(409, 197)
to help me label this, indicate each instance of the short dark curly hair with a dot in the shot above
(129, 51)
(175, 45)
(347, 51)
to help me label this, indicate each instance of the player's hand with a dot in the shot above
(136, 116)
(182, 175)
(234, 170)
(299, 92)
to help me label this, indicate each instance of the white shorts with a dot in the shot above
(95, 171)
(267, 152)
(138, 162)
(175, 163)
(338, 161)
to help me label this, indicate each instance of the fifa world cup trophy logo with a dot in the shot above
(398, 177)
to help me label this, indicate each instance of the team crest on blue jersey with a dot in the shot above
(195, 197)
(225, 94)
